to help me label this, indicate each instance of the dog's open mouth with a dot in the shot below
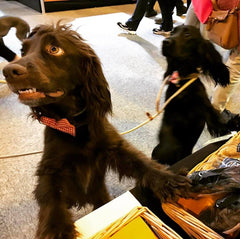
(34, 94)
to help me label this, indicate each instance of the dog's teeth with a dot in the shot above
(32, 90)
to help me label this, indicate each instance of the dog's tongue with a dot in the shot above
(31, 96)
(55, 94)
(38, 95)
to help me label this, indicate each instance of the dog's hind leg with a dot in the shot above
(55, 220)
(98, 194)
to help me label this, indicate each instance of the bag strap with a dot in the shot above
(216, 7)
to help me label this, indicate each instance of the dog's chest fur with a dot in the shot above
(192, 95)
(76, 159)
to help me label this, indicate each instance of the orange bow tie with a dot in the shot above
(61, 125)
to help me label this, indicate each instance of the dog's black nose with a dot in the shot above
(14, 71)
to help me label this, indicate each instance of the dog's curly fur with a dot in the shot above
(70, 84)
(184, 117)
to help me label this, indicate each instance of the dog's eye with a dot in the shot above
(22, 52)
(24, 49)
(187, 34)
(55, 50)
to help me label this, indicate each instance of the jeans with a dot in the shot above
(166, 6)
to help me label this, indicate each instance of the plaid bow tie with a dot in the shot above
(61, 125)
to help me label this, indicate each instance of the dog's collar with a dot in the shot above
(61, 125)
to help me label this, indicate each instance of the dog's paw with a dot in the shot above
(57, 231)
(167, 185)
(58, 235)
(176, 186)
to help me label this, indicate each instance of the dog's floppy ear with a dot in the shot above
(212, 64)
(94, 90)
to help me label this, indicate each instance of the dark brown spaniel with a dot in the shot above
(60, 77)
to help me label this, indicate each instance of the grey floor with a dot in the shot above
(133, 66)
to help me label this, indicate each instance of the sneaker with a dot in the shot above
(151, 13)
(126, 28)
(160, 31)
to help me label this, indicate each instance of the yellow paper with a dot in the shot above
(136, 229)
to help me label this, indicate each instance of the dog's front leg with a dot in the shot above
(55, 221)
(130, 162)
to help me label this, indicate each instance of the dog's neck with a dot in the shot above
(178, 80)
(57, 120)
(184, 68)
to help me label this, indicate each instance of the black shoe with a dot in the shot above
(181, 10)
(151, 13)
(160, 31)
(126, 28)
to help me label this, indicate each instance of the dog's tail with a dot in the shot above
(7, 22)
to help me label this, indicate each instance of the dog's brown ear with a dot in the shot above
(7, 22)
(99, 95)
(94, 90)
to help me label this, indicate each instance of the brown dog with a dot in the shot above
(60, 77)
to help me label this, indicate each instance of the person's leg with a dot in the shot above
(132, 23)
(191, 18)
(222, 95)
(150, 12)
(138, 14)
(167, 20)
(181, 9)
(5, 52)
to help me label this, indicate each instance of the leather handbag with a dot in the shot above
(222, 26)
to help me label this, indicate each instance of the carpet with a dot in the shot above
(133, 66)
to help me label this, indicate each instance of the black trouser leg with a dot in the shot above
(138, 14)
(151, 4)
(167, 7)
(5, 52)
